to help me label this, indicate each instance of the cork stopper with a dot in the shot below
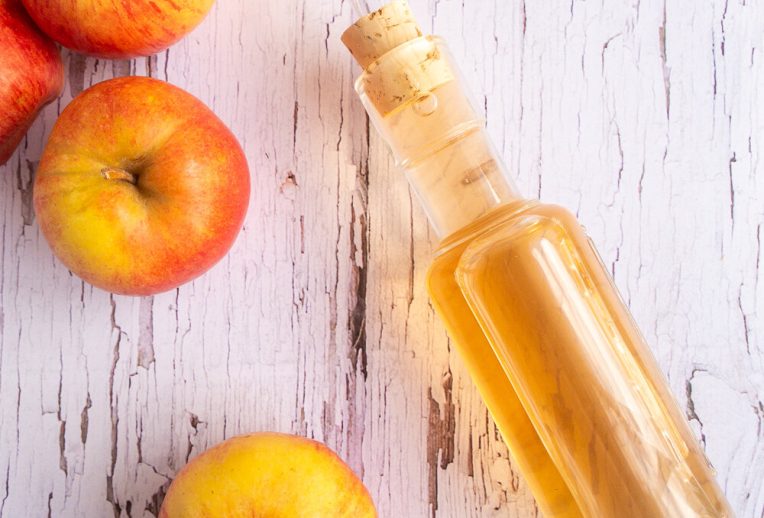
(400, 65)
(381, 31)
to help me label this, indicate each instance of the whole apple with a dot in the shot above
(269, 475)
(141, 188)
(31, 74)
(111, 29)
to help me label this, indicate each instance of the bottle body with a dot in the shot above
(578, 367)
(563, 369)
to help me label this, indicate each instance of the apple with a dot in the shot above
(140, 188)
(267, 475)
(111, 29)
(31, 74)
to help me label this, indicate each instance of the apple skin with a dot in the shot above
(267, 475)
(31, 74)
(111, 29)
(140, 188)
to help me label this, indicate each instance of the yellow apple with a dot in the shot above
(141, 188)
(267, 475)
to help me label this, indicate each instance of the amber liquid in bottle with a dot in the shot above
(583, 407)
(594, 399)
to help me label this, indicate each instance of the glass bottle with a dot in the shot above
(569, 380)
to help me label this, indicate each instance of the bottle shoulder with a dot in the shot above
(507, 225)
(503, 218)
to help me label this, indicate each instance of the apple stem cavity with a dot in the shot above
(115, 173)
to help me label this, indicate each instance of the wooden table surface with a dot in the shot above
(646, 118)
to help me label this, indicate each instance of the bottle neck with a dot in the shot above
(461, 182)
(420, 104)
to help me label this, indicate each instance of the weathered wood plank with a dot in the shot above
(647, 118)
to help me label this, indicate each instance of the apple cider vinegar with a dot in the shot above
(570, 382)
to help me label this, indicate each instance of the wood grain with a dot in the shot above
(645, 117)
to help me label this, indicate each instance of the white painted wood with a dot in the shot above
(645, 117)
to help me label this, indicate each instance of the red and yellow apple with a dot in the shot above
(111, 29)
(140, 188)
(31, 74)
(267, 475)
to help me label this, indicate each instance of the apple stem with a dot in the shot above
(115, 173)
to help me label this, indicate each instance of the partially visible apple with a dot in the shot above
(271, 476)
(141, 188)
(112, 29)
(31, 74)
